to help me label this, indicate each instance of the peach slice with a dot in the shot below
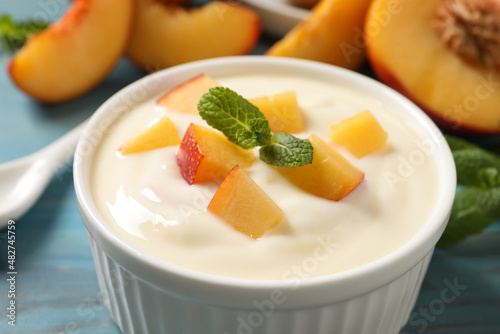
(75, 53)
(160, 134)
(434, 54)
(184, 98)
(333, 33)
(282, 112)
(207, 155)
(164, 36)
(361, 134)
(241, 203)
(330, 176)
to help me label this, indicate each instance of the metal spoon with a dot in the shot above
(23, 180)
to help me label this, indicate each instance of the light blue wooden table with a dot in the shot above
(56, 285)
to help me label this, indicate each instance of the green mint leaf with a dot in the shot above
(246, 126)
(477, 204)
(286, 150)
(13, 35)
(475, 166)
(261, 128)
(241, 121)
(473, 210)
(456, 143)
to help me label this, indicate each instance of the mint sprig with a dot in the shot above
(474, 209)
(477, 203)
(241, 121)
(245, 125)
(13, 35)
(286, 150)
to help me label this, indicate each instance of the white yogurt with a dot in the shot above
(145, 199)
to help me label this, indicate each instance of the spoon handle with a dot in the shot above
(60, 151)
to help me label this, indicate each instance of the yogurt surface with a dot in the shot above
(145, 199)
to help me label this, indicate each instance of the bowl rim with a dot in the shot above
(235, 292)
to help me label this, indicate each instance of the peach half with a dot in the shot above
(166, 35)
(442, 54)
(75, 53)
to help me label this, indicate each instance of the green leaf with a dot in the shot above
(226, 111)
(475, 166)
(246, 126)
(488, 201)
(456, 143)
(286, 150)
(473, 210)
(261, 128)
(13, 35)
(477, 205)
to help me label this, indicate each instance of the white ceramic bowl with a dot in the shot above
(147, 295)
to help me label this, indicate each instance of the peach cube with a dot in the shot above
(330, 175)
(184, 98)
(241, 203)
(158, 135)
(361, 134)
(207, 155)
(282, 111)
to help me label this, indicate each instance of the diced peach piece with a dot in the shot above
(75, 53)
(241, 203)
(207, 155)
(158, 135)
(282, 111)
(361, 134)
(330, 175)
(184, 98)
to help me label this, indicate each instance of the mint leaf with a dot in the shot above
(473, 210)
(489, 202)
(261, 128)
(475, 166)
(286, 150)
(228, 112)
(477, 204)
(456, 143)
(245, 125)
(13, 35)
